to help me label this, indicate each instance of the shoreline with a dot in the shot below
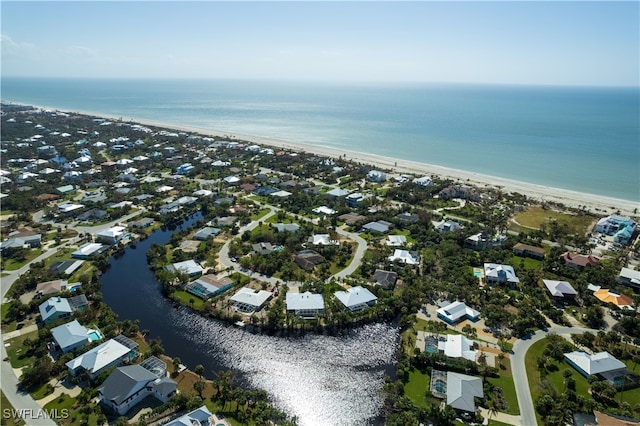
(597, 204)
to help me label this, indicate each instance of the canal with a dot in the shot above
(323, 380)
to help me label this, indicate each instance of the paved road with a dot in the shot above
(357, 257)
(518, 369)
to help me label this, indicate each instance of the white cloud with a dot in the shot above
(10, 46)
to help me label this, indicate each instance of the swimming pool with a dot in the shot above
(74, 287)
(94, 335)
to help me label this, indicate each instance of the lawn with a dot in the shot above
(505, 381)
(14, 264)
(185, 298)
(260, 214)
(7, 418)
(16, 351)
(416, 387)
(533, 217)
(528, 262)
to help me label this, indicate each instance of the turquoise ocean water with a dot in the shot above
(578, 138)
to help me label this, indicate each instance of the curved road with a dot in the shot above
(518, 369)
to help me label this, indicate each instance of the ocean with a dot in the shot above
(584, 139)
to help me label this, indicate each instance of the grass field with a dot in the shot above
(16, 350)
(533, 217)
(505, 381)
(13, 264)
(416, 387)
(9, 419)
(185, 298)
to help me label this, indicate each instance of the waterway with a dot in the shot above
(322, 380)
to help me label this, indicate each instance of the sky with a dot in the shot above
(550, 43)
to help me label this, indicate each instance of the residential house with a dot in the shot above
(27, 241)
(379, 227)
(603, 365)
(423, 181)
(247, 300)
(306, 305)
(129, 385)
(337, 193)
(206, 234)
(287, 227)
(112, 235)
(208, 286)
(500, 274)
(322, 240)
(578, 261)
(65, 267)
(560, 289)
(460, 390)
(459, 191)
(308, 259)
(352, 200)
(447, 226)
(69, 209)
(188, 267)
(262, 248)
(141, 223)
(630, 278)
(396, 240)
(376, 176)
(621, 227)
(66, 189)
(526, 250)
(87, 250)
(455, 312)
(482, 241)
(55, 286)
(408, 218)
(112, 353)
(351, 218)
(324, 210)
(54, 309)
(198, 417)
(408, 257)
(71, 336)
(457, 346)
(621, 301)
(185, 169)
(93, 214)
(356, 298)
(385, 279)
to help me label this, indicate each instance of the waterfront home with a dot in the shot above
(379, 227)
(460, 390)
(55, 308)
(500, 274)
(356, 298)
(408, 257)
(322, 240)
(87, 250)
(482, 241)
(376, 176)
(208, 286)
(578, 261)
(112, 353)
(526, 250)
(621, 301)
(447, 226)
(385, 279)
(455, 312)
(457, 346)
(129, 385)
(560, 289)
(141, 223)
(396, 240)
(423, 181)
(603, 365)
(65, 267)
(621, 227)
(308, 259)
(198, 417)
(305, 305)
(206, 234)
(459, 191)
(112, 235)
(188, 267)
(247, 300)
(55, 286)
(72, 335)
(630, 278)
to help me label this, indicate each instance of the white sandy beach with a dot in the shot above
(595, 203)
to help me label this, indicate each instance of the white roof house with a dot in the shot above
(322, 240)
(111, 235)
(108, 354)
(248, 300)
(458, 346)
(495, 273)
(461, 391)
(447, 226)
(600, 363)
(405, 256)
(424, 181)
(86, 250)
(199, 416)
(457, 311)
(70, 336)
(560, 288)
(356, 298)
(305, 304)
(67, 208)
(324, 210)
(396, 240)
(189, 267)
